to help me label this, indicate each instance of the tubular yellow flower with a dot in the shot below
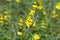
(32, 12)
(43, 27)
(20, 22)
(43, 22)
(58, 6)
(7, 17)
(53, 11)
(36, 37)
(34, 6)
(39, 7)
(1, 19)
(29, 21)
(34, 24)
(34, 2)
(19, 33)
(55, 15)
(6, 12)
(44, 13)
(28, 24)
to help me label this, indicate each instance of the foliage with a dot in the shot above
(29, 19)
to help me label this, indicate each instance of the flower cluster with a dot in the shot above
(29, 20)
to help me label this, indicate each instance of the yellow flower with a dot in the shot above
(1, 19)
(32, 12)
(53, 11)
(44, 13)
(19, 33)
(29, 21)
(20, 22)
(6, 12)
(43, 26)
(55, 15)
(34, 2)
(36, 37)
(28, 24)
(17, 0)
(7, 17)
(39, 7)
(34, 6)
(58, 6)
(34, 24)
(42, 22)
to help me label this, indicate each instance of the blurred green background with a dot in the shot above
(11, 11)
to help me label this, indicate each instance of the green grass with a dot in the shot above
(20, 10)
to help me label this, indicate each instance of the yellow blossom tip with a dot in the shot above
(19, 33)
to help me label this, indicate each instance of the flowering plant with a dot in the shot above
(29, 20)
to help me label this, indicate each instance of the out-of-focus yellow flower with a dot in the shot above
(20, 22)
(43, 27)
(44, 12)
(34, 24)
(1, 19)
(34, 2)
(7, 17)
(6, 12)
(55, 15)
(19, 33)
(42, 22)
(34, 6)
(39, 7)
(58, 6)
(32, 12)
(36, 37)
(29, 21)
(53, 12)
(17, 0)
(28, 24)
